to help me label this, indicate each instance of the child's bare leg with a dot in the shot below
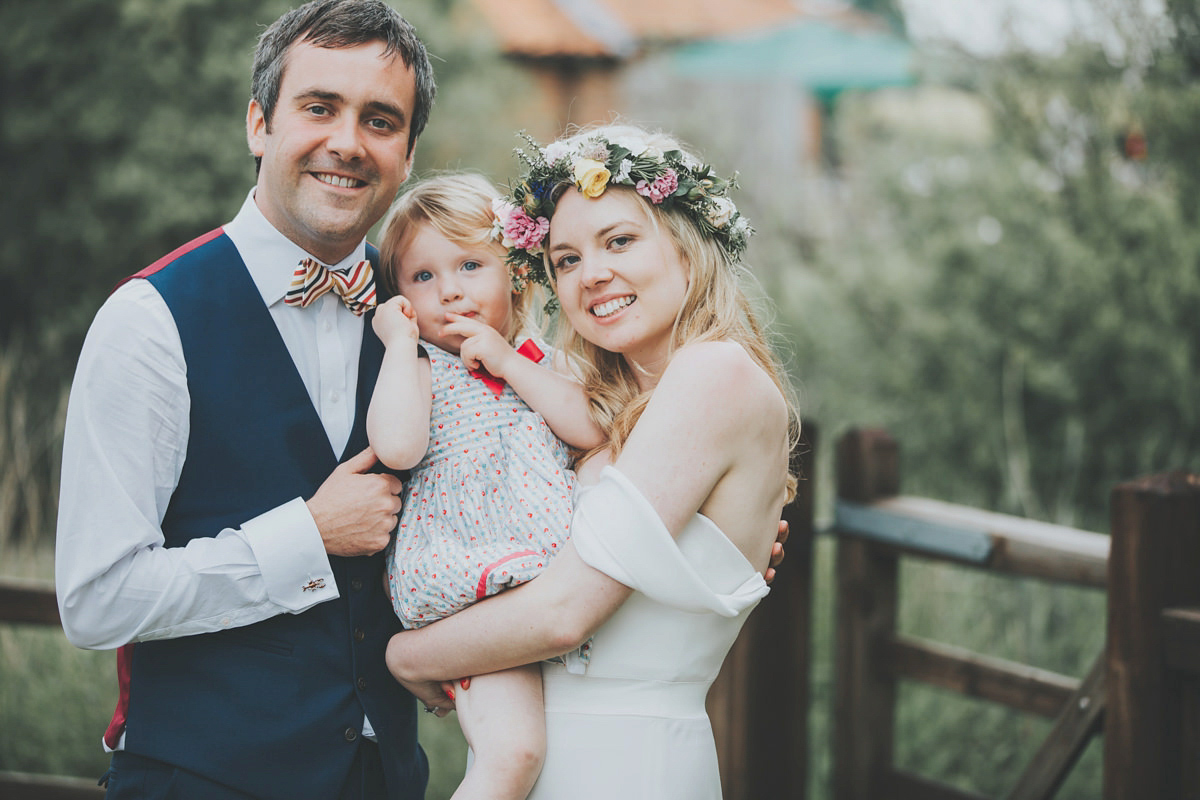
(502, 717)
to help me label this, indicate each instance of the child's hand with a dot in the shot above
(396, 321)
(482, 344)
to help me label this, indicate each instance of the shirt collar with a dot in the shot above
(271, 257)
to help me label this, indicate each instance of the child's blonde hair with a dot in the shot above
(459, 207)
(715, 308)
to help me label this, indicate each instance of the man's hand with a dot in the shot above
(355, 510)
(777, 550)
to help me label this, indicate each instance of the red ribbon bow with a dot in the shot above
(527, 349)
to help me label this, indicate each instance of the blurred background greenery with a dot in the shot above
(999, 262)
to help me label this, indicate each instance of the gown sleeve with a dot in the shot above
(617, 531)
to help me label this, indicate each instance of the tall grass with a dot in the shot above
(33, 394)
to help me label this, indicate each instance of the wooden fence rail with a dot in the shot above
(1152, 736)
(33, 602)
(1143, 691)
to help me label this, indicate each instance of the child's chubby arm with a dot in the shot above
(556, 396)
(398, 417)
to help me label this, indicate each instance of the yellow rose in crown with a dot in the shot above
(591, 177)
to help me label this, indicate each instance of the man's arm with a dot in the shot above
(124, 446)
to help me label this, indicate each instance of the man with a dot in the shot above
(220, 519)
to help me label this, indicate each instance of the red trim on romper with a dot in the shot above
(481, 589)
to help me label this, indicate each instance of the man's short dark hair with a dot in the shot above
(336, 24)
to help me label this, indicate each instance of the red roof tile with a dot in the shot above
(545, 28)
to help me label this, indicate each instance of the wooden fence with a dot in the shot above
(1143, 691)
(759, 703)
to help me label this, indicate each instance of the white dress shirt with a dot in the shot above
(124, 447)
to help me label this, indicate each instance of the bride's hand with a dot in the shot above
(436, 696)
(777, 550)
(432, 695)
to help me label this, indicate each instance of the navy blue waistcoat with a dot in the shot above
(273, 709)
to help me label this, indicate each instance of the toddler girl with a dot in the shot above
(478, 421)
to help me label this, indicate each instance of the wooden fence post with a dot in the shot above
(759, 703)
(1154, 564)
(864, 691)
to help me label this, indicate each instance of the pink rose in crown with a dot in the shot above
(662, 187)
(524, 231)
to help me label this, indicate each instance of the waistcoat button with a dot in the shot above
(351, 734)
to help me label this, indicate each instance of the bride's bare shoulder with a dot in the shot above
(726, 382)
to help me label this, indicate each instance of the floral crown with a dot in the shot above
(671, 179)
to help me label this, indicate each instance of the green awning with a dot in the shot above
(825, 58)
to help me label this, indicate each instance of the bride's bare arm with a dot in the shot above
(701, 420)
(550, 615)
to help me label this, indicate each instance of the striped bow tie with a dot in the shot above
(354, 284)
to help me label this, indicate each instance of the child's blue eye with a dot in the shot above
(422, 276)
(471, 265)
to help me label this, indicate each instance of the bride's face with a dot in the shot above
(620, 278)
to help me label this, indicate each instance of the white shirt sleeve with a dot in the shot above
(123, 451)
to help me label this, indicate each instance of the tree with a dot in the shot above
(1020, 309)
(123, 135)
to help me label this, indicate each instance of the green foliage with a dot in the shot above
(446, 748)
(123, 138)
(1019, 308)
(124, 134)
(33, 394)
(60, 700)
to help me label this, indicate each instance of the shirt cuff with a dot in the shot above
(291, 557)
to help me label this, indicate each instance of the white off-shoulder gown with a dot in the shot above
(634, 725)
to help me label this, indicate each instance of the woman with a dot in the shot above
(676, 522)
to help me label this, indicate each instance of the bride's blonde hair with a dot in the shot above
(714, 308)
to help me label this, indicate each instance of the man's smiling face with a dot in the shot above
(336, 151)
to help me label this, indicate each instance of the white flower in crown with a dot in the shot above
(502, 210)
(556, 150)
(594, 150)
(741, 226)
(719, 211)
(622, 175)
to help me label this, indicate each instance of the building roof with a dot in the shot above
(618, 28)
